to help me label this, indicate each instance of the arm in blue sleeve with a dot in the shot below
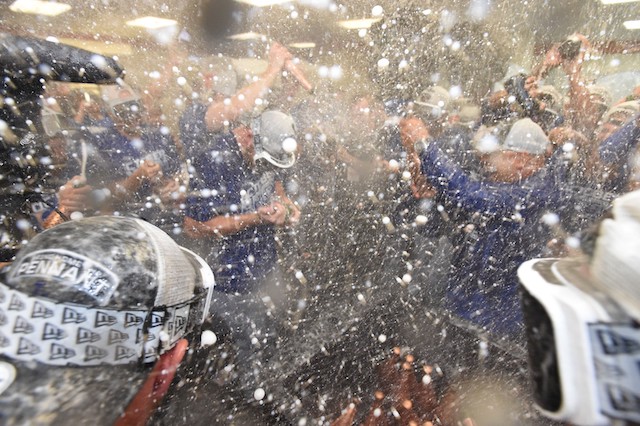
(617, 147)
(471, 194)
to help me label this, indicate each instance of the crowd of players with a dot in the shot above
(279, 193)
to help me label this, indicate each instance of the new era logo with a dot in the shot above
(72, 316)
(41, 311)
(116, 336)
(22, 326)
(131, 320)
(51, 332)
(16, 303)
(86, 336)
(60, 352)
(140, 336)
(122, 352)
(4, 342)
(92, 353)
(25, 347)
(156, 320)
(104, 320)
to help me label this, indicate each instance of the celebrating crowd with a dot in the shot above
(288, 200)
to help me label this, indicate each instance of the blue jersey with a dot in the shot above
(223, 184)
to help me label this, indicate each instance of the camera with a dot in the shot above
(582, 330)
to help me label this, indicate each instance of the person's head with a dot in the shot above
(513, 152)
(614, 118)
(94, 314)
(432, 106)
(125, 108)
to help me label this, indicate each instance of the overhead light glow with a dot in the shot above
(357, 24)
(37, 7)
(618, 1)
(632, 25)
(263, 3)
(247, 36)
(303, 45)
(151, 22)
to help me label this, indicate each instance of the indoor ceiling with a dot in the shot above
(102, 23)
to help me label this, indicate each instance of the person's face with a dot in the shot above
(369, 114)
(511, 166)
(244, 138)
(128, 117)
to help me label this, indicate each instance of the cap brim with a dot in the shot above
(64, 395)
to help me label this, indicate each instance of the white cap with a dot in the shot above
(526, 136)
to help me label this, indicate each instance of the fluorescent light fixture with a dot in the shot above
(618, 1)
(303, 45)
(247, 36)
(37, 7)
(263, 3)
(632, 25)
(151, 22)
(357, 24)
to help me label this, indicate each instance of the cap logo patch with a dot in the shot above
(68, 268)
(40, 311)
(60, 352)
(93, 352)
(72, 316)
(86, 336)
(16, 304)
(25, 347)
(123, 352)
(104, 320)
(116, 336)
(22, 326)
(132, 320)
(51, 332)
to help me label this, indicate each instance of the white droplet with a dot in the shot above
(208, 338)
(289, 145)
(362, 32)
(383, 63)
(455, 92)
(258, 394)
(568, 147)
(23, 224)
(426, 379)
(182, 81)
(407, 278)
(377, 412)
(377, 10)
(382, 338)
(251, 259)
(323, 71)
(551, 219)
(406, 176)
(76, 215)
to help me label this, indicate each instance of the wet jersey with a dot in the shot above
(223, 184)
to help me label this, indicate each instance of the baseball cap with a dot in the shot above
(274, 136)
(432, 103)
(626, 109)
(86, 308)
(116, 94)
(526, 136)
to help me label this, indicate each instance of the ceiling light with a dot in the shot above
(247, 36)
(37, 7)
(151, 22)
(618, 1)
(632, 25)
(263, 3)
(303, 45)
(356, 24)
